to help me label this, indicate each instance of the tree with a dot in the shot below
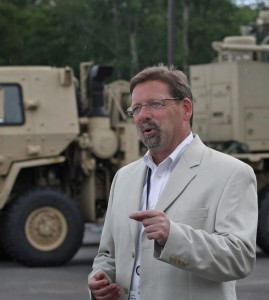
(209, 21)
(127, 34)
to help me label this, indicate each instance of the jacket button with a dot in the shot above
(133, 255)
(183, 262)
(173, 259)
(126, 291)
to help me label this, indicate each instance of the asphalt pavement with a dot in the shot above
(69, 282)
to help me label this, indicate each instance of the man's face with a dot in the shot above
(162, 129)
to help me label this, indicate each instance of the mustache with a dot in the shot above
(147, 124)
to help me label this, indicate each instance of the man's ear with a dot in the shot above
(187, 105)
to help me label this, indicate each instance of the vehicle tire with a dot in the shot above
(3, 254)
(42, 228)
(263, 221)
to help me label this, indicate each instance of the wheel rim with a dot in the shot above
(46, 228)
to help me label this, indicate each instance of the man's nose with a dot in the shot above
(145, 112)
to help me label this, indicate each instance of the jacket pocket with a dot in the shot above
(197, 213)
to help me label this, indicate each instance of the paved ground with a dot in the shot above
(69, 282)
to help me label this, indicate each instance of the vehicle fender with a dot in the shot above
(10, 179)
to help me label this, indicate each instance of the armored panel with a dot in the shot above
(39, 113)
(231, 102)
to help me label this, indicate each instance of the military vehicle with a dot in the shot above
(231, 108)
(61, 142)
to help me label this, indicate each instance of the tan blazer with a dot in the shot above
(211, 201)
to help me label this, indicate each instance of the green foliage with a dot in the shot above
(210, 21)
(152, 37)
(7, 32)
(128, 34)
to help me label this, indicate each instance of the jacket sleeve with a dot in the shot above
(105, 259)
(229, 252)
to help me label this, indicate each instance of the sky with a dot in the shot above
(250, 2)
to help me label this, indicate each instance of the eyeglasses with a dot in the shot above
(151, 104)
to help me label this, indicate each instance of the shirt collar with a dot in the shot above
(173, 158)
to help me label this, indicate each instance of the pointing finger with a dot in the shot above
(141, 215)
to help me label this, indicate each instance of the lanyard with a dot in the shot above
(148, 187)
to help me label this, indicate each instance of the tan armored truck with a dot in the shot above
(231, 108)
(61, 142)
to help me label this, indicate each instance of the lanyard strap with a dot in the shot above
(148, 187)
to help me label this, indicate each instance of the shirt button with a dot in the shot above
(133, 255)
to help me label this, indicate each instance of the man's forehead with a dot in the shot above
(150, 90)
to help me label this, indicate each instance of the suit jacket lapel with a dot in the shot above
(183, 173)
(137, 178)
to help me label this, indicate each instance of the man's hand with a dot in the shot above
(155, 223)
(102, 289)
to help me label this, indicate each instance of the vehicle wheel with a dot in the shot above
(263, 221)
(42, 228)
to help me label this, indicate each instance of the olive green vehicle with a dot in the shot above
(232, 106)
(61, 142)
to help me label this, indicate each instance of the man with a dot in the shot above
(181, 222)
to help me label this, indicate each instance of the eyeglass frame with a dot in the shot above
(149, 103)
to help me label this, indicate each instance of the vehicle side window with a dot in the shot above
(11, 108)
